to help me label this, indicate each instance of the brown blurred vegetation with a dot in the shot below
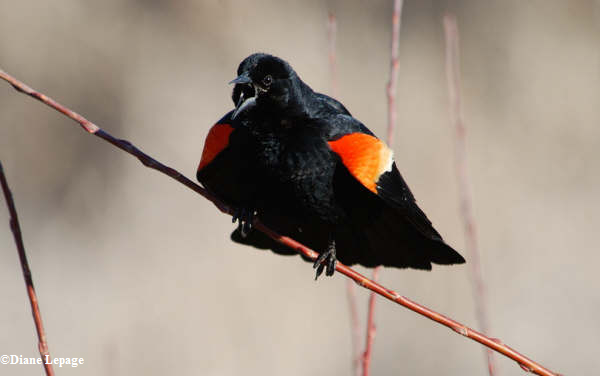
(136, 274)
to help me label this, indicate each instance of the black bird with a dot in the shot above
(323, 178)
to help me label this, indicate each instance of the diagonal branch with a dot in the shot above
(495, 344)
(35, 308)
(453, 76)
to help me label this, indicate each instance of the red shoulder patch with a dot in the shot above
(365, 156)
(216, 140)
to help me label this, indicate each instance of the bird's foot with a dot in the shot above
(326, 260)
(245, 219)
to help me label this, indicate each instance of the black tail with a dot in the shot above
(388, 239)
(394, 241)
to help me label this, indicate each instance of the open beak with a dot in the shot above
(244, 102)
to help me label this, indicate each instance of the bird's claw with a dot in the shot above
(245, 219)
(326, 260)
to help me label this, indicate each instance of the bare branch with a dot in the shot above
(453, 76)
(148, 161)
(371, 329)
(35, 308)
(350, 287)
(331, 38)
(355, 325)
(391, 127)
(394, 65)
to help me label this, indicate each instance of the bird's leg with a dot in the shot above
(245, 219)
(326, 260)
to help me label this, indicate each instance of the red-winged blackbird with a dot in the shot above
(313, 172)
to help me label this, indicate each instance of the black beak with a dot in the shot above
(243, 103)
(241, 79)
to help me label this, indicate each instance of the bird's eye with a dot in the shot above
(267, 80)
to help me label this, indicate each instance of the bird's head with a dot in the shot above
(267, 82)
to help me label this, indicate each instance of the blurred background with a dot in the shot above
(136, 273)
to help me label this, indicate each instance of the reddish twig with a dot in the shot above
(391, 127)
(148, 161)
(350, 287)
(394, 64)
(331, 37)
(453, 76)
(371, 329)
(35, 308)
(355, 325)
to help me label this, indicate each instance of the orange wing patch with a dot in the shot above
(216, 140)
(365, 156)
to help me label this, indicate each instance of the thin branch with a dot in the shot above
(371, 329)
(355, 325)
(391, 127)
(394, 64)
(148, 161)
(350, 287)
(453, 76)
(331, 38)
(35, 308)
